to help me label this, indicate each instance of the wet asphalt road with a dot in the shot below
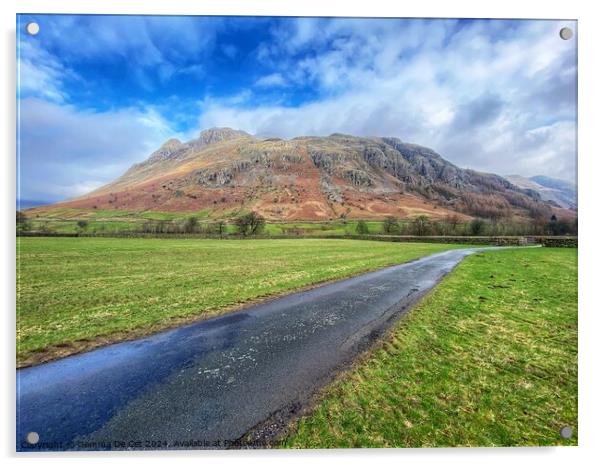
(206, 384)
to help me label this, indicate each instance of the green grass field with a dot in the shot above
(488, 359)
(101, 221)
(77, 293)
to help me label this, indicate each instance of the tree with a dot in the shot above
(403, 228)
(439, 228)
(420, 225)
(477, 227)
(191, 225)
(553, 225)
(361, 228)
(215, 228)
(539, 223)
(22, 222)
(452, 221)
(559, 226)
(390, 226)
(219, 227)
(250, 224)
(82, 224)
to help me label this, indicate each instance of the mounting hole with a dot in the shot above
(566, 432)
(32, 438)
(566, 33)
(32, 28)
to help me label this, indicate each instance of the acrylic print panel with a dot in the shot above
(286, 232)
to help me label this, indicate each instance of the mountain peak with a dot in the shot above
(171, 143)
(169, 147)
(213, 135)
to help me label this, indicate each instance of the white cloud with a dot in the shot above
(477, 94)
(41, 74)
(491, 95)
(271, 80)
(74, 190)
(152, 49)
(65, 151)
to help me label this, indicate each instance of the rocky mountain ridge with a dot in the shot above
(560, 192)
(225, 171)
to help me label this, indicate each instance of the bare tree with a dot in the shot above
(390, 226)
(452, 221)
(221, 227)
(420, 225)
(250, 224)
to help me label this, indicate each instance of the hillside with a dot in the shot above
(225, 171)
(560, 192)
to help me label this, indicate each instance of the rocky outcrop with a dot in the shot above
(169, 149)
(215, 135)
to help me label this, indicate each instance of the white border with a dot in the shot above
(459, 8)
(590, 173)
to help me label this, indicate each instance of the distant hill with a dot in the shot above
(558, 191)
(29, 203)
(225, 171)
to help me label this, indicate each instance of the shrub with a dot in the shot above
(477, 227)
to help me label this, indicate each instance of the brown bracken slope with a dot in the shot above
(309, 178)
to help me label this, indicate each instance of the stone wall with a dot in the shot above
(548, 241)
(559, 241)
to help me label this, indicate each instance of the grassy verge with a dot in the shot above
(78, 293)
(488, 359)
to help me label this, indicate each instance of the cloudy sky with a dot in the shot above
(98, 93)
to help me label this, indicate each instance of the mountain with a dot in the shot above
(560, 192)
(565, 191)
(225, 171)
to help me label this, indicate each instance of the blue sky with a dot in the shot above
(99, 93)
